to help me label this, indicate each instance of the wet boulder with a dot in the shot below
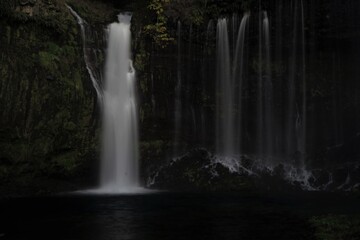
(198, 170)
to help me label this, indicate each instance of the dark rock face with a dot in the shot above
(49, 122)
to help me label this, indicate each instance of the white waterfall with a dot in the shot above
(119, 168)
(238, 72)
(225, 134)
(268, 98)
(304, 100)
(119, 163)
(260, 106)
(229, 84)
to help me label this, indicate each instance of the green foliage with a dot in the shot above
(155, 147)
(197, 12)
(17, 151)
(47, 109)
(48, 61)
(94, 12)
(55, 21)
(66, 162)
(197, 16)
(188, 11)
(334, 227)
(4, 172)
(158, 31)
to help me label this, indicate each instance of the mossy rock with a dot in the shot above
(196, 171)
(67, 162)
(49, 122)
(336, 227)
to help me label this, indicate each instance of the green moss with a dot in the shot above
(4, 71)
(48, 61)
(78, 83)
(8, 34)
(70, 126)
(53, 48)
(48, 126)
(67, 162)
(142, 58)
(4, 173)
(15, 151)
(42, 146)
(336, 227)
(155, 147)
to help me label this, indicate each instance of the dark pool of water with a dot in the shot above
(169, 216)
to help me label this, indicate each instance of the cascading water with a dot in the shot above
(119, 165)
(188, 100)
(93, 73)
(238, 72)
(260, 110)
(205, 73)
(291, 113)
(234, 26)
(119, 168)
(225, 134)
(278, 133)
(265, 119)
(268, 139)
(229, 85)
(304, 91)
(296, 110)
(260, 96)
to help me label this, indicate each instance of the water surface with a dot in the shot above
(168, 216)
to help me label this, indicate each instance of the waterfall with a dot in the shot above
(119, 165)
(260, 110)
(225, 101)
(268, 145)
(265, 108)
(304, 102)
(234, 24)
(229, 86)
(178, 92)
(205, 85)
(190, 126)
(278, 88)
(291, 114)
(296, 110)
(87, 51)
(119, 168)
(238, 71)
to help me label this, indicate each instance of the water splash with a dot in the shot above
(260, 171)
